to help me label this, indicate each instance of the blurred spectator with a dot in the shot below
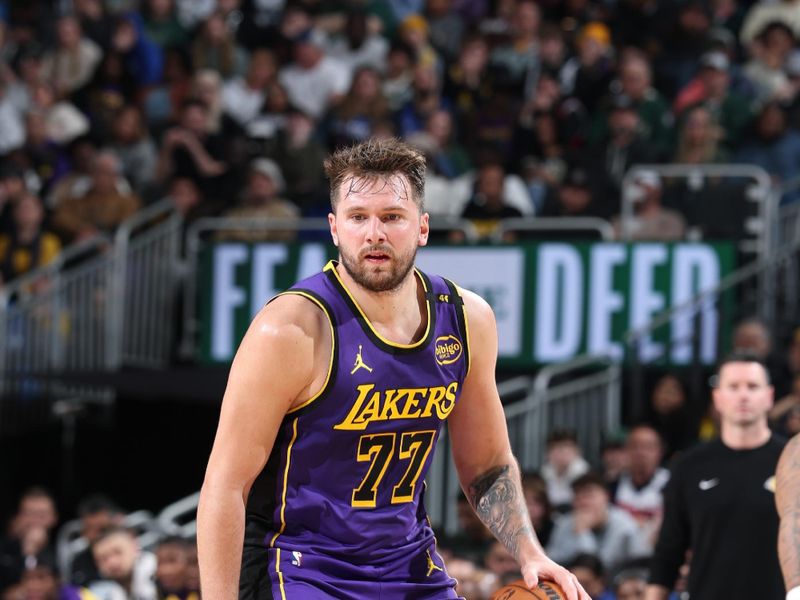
(501, 563)
(638, 490)
(589, 570)
(96, 513)
(765, 70)
(588, 75)
(21, 81)
(699, 138)
(775, 147)
(95, 21)
(172, 571)
(61, 121)
(728, 110)
(133, 146)
(542, 179)
(449, 157)
(784, 417)
(127, 571)
(358, 46)
(191, 150)
(11, 121)
(626, 144)
(594, 526)
(516, 65)
(399, 76)
(752, 335)
(242, 97)
(162, 25)
(635, 84)
(563, 464)
(28, 246)
(688, 35)
(163, 101)
(762, 14)
(215, 47)
(300, 157)
(261, 200)
(82, 152)
(651, 220)
(614, 457)
(353, 120)
(539, 507)
(426, 100)
(143, 59)
(13, 186)
(102, 207)
(42, 582)
(415, 33)
(446, 27)
(670, 414)
(473, 582)
(468, 85)
(315, 82)
(473, 538)
(488, 204)
(28, 541)
(577, 197)
(71, 64)
(631, 584)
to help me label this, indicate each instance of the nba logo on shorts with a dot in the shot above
(297, 558)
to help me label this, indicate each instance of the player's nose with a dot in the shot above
(375, 232)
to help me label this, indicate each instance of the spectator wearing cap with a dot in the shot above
(762, 14)
(711, 87)
(775, 147)
(577, 196)
(315, 82)
(261, 200)
(635, 83)
(595, 526)
(415, 33)
(587, 75)
(651, 220)
(765, 69)
(71, 64)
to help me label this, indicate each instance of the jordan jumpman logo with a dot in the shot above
(360, 364)
(432, 565)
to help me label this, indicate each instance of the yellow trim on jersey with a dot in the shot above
(331, 267)
(333, 348)
(466, 327)
(285, 484)
(280, 573)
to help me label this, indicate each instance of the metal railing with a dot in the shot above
(762, 193)
(593, 228)
(582, 395)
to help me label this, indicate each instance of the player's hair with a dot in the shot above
(376, 160)
(740, 356)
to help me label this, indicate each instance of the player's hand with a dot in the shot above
(546, 570)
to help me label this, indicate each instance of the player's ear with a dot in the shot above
(424, 229)
(332, 225)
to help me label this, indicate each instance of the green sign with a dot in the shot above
(552, 300)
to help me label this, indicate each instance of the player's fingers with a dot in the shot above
(531, 579)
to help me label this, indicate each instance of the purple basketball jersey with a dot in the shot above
(346, 474)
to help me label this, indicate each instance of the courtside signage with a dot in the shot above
(552, 300)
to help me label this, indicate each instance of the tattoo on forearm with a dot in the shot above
(497, 498)
(788, 501)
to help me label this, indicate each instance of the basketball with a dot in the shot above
(517, 590)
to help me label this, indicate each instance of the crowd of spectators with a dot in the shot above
(523, 108)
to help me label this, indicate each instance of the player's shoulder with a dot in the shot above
(290, 316)
(478, 310)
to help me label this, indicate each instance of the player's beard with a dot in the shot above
(378, 278)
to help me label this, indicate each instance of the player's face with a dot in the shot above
(378, 228)
(743, 396)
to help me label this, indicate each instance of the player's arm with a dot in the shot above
(487, 469)
(787, 498)
(273, 368)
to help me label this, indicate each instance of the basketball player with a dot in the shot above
(787, 495)
(333, 407)
(720, 501)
